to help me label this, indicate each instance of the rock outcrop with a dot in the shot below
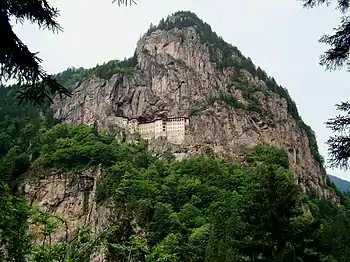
(176, 77)
(71, 197)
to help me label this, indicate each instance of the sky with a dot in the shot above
(279, 36)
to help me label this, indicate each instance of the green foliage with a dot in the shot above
(18, 62)
(70, 147)
(183, 19)
(14, 118)
(230, 55)
(196, 107)
(171, 199)
(168, 250)
(248, 92)
(205, 210)
(72, 76)
(337, 55)
(264, 223)
(198, 242)
(168, 156)
(248, 65)
(333, 235)
(338, 192)
(107, 70)
(13, 164)
(293, 111)
(283, 92)
(221, 98)
(339, 143)
(227, 99)
(312, 142)
(19, 131)
(16, 240)
(14, 213)
(200, 209)
(135, 247)
(78, 246)
(271, 155)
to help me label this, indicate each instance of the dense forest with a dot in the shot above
(200, 209)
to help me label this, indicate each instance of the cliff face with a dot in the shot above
(176, 77)
(71, 198)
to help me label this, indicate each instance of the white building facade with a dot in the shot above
(174, 128)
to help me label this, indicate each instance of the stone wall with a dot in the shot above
(173, 129)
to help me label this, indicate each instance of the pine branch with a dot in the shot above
(339, 124)
(313, 3)
(343, 106)
(36, 11)
(339, 151)
(343, 5)
(338, 54)
(16, 61)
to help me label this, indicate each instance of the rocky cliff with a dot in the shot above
(184, 69)
(71, 197)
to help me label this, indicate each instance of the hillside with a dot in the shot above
(184, 152)
(341, 184)
(182, 69)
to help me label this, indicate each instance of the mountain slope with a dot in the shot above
(343, 185)
(181, 68)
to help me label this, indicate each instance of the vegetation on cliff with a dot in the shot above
(224, 55)
(72, 76)
(200, 209)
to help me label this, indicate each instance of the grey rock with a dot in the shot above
(174, 71)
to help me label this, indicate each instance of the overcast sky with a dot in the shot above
(279, 36)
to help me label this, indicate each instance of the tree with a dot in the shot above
(14, 237)
(339, 145)
(337, 57)
(266, 222)
(17, 61)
